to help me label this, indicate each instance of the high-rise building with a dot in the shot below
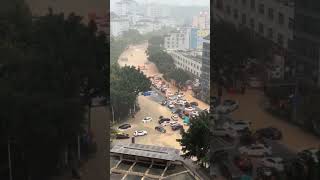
(205, 70)
(305, 47)
(126, 7)
(194, 38)
(201, 21)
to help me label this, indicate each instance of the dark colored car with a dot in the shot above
(160, 129)
(163, 103)
(122, 136)
(176, 127)
(125, 126)
(163, 119)
(269, 133)
(187, 105)
(244, 164)
(194, 104)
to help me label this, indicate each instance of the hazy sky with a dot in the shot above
(173, 2)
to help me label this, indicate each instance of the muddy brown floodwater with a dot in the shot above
(251, 109)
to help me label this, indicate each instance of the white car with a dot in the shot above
(171, 106)
(173, 123)
(227, 106)
(273, 162)
(195, 113)
(255, 150)
(175, 117)
(228, 132)
(239, 125)
(180, 96)
(146, 119)
(189, 109)
(165, 123)
(140, 133)
(169, 93)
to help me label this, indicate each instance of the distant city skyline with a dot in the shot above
(169, 2)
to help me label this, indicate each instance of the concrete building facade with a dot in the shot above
(178, 40)
(205, 70)
(118, 26)
(126, 7)
(187, 60)
(305, 47)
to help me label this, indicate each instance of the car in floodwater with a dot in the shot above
(140, 133)
(122, 136)
(160, 129)
(124, 126)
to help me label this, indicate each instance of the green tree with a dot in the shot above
(180, 76)
(196, 141)
(125, 85)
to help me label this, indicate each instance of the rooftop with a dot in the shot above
(149, 151)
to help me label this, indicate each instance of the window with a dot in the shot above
(291, 23)
(228, 10)
(261, 8)
(280, 39)
(244, 19)
(253, 4)
(270, 33)
(244, 2)
(235, 13)
(281, 18)
(261, 30)
(252, 23)
(270, 13)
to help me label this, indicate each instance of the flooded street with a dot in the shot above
(251, 109)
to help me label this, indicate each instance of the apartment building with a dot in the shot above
(178, 40)
(205, 70)
(305, 47)
(188, 61)
(126, 7)
(118, 26)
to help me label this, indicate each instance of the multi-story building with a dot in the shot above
(178, 40)
(193, 38)
(118, 26)
(305, 47)
(126, 7)
(201, 34)
(202, 21)
(154, 11)
(270, 19)
(187, 60)
(205, 70)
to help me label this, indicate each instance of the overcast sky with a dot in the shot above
(173, 2)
